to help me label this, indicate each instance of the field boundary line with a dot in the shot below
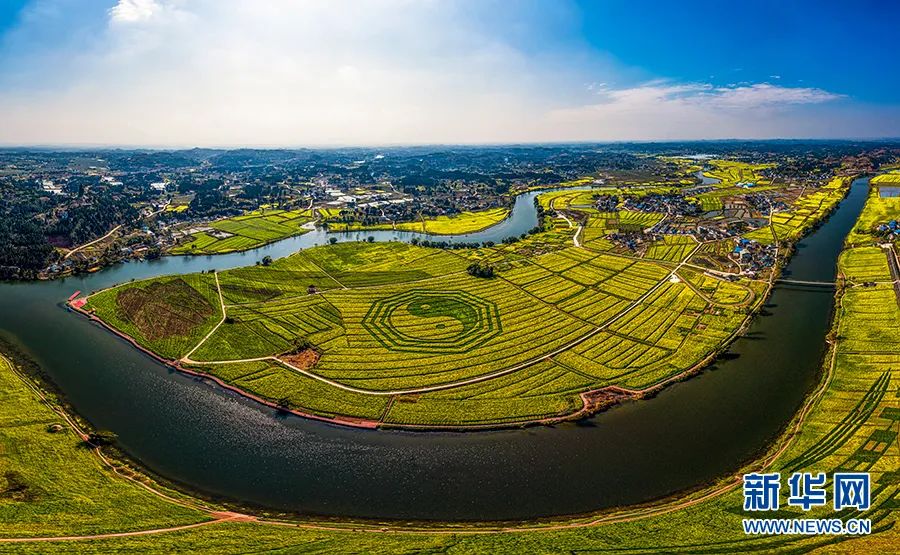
(477, 379)
(187, 357)
(321, 269)
(110, 535)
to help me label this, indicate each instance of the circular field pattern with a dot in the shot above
(437, 322)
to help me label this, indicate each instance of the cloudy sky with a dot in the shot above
(347, 72)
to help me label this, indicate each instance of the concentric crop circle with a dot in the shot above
(427, 321)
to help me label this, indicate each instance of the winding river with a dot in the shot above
(217, 442)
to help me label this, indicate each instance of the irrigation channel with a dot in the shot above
(219, 443)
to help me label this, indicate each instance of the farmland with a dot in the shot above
(320, 320)
(457, 224)
(712, 200)
(804, 213)
(247, 231)
(878, 210)
(849, 422)
(404, 336)
(889, 178)
(396, 334)
(730, 172)
(49, 483)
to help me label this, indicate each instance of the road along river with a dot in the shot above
(216, 442)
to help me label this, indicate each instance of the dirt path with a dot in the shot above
(187, 358)
(894, 265)
(234, 518)
(751, 296)
(562, 215)
(76, 249)
(476, 379)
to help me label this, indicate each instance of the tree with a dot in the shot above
(481, 270)
(267, 260)
(332, 240)
(100, 438)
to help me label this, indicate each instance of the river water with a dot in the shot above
(222, 444)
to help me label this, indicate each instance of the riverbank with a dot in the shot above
(709, 518)
(591, 399)
(215, 442)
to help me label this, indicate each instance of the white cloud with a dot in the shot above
(765, 94)
(305, 72)
(666, 110)
(131, 11)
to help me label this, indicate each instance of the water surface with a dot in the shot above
(220, 443)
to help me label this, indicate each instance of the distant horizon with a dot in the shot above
(64, 147)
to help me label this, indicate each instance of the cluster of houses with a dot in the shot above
(889, 229)
(753, 256)
(607, 203)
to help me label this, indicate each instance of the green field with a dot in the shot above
(732, 172)
(167, 315)
(849, 423)
(50, 485)
(805, 212)
(248, 231)
(458, 224)
(415, 340)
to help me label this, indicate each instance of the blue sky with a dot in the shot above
(846, 47)
(292, 73)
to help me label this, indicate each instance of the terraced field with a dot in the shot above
(248, 231)
(403, 335)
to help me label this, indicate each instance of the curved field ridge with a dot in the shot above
(405, 337)
(432, 321)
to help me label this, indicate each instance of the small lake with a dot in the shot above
(707, 180)
(220, 443)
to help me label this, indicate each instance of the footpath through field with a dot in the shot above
(613, 319)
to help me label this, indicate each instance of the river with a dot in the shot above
(219, 443)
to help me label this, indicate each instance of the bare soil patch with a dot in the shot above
(164, 310)
(304, 360)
